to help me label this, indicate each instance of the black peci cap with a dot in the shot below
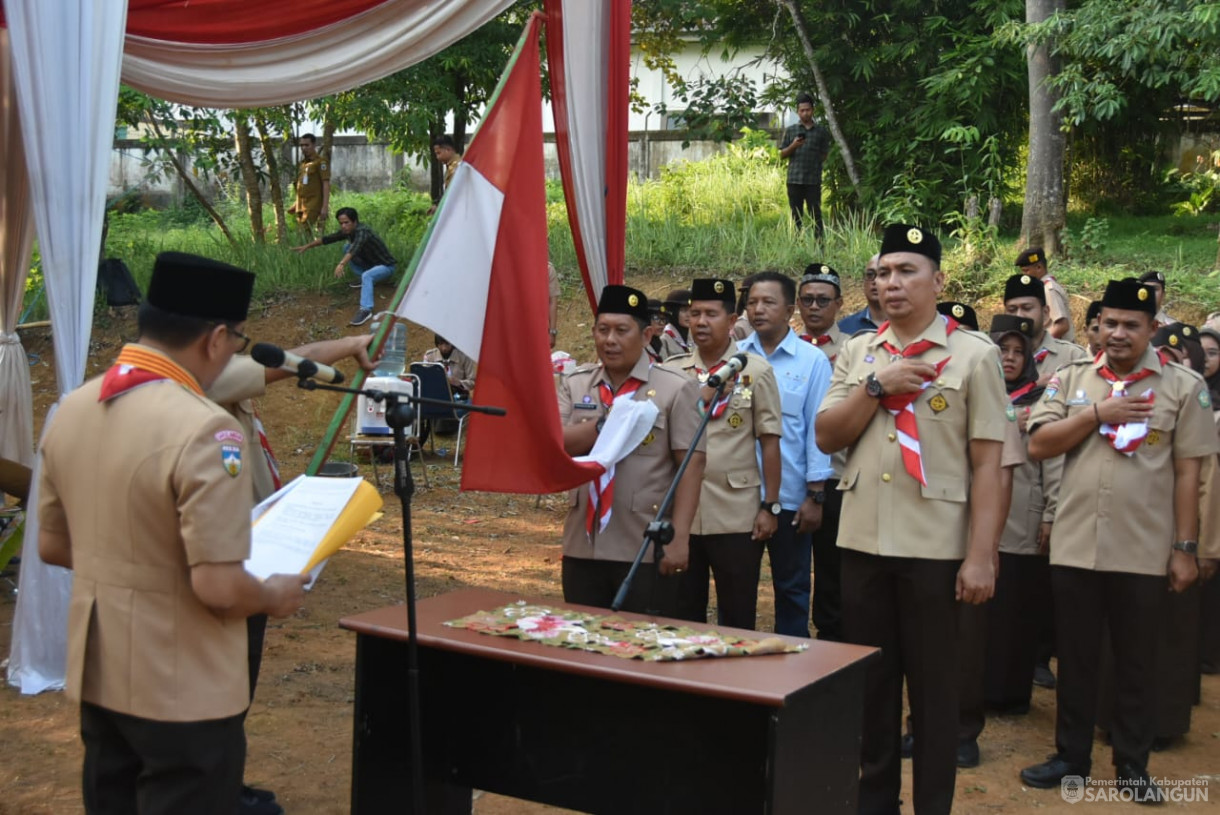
(1129, 295)
(713, 289)
(624, 300)
(961, 312)
(907, 238)
(1023, 285)
(194, 286)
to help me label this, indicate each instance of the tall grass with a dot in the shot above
(726, 215)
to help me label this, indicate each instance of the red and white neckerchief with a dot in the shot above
(1128, 436)
(824, 339)
(1041, 354)
(136, 366)
(673, 334)
(268, 454)
(902, 405)
(601, 489)
(1021, 391)
(725, 395)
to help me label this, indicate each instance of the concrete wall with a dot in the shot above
(357, 166)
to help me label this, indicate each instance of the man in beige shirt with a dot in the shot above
(1133, 430)
(604, 531)
(819, 300)
(157, 633)
(1025, 296)
(919, 409)
(1032, 262)
(1156, 281)
(459, 368)
(730, 529)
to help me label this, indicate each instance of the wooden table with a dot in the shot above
(598, 733)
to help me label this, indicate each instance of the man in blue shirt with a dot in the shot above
(803, 375)
(871, 316)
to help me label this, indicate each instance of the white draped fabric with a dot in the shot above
(65, 57)
(358, 50)
(16, 239)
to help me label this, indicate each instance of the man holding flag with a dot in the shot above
(606, 523)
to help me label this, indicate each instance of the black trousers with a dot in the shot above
(734, 561)
(1209, 628)
(827, 591)
(906, 607)
(972, 638)
(135, 765)
(1016, 618)
(589, 582)
(1085, 602)
(803, 197)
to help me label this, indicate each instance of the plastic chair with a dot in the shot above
(375, 443)
(434, 384)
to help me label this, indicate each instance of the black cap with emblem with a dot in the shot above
(821, 273)
(1129, 295)
(907, 238)
(1153, 277)
(1002, 324)
(1031, 256)
(624, 300)
(713, 289)
(194, 286)
(1023, 285)
(961, 312)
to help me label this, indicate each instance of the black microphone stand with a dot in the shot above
(399, 415)
(660, 532)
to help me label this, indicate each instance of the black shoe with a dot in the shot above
(968, 754)
(1043, 677)
(1144, 789)
(362, 316)
(1164, 743)
(258, 802)
(908, 745)
(1050, 774)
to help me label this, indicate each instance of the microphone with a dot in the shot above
(731, 369)
(272, 356)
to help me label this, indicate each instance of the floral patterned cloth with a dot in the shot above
(630, 639)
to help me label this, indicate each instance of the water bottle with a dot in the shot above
(393, 359)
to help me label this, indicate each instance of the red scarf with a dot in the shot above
(1021, 391)
(601, 489)
(136, 366)
(673, 334)
(1042, 354)
(901, 405)
(1133, 433)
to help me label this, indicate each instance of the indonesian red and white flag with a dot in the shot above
(481, 282)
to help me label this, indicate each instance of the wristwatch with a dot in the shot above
(873, 388)
(773, 508)
(818, 496)
(1189, 547)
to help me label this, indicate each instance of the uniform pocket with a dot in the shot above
(741, 479)
(792, 403)
(848, 481)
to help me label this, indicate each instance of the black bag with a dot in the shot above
(115, 282)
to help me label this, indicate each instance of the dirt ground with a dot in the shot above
(300, 725)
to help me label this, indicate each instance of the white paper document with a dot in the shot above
(289, 526)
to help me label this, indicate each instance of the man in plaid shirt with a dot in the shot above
(365, 252)
(805, 145)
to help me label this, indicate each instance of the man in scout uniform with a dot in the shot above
(1092, 321)
(869, 317)
(803, 375)
(606, 522)
(820, 298)
(242, 381)
(1032, 262)
(1025, 296)
(1156, 282)
(157, 633)
(731, 527)
(312, 206)
(1133, 430)
(675, 335)
(919, 408)
(445, 151)
(459, 368)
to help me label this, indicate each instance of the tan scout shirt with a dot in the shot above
(885, 510)
(139, 487)
(310, 175)
(830, 349)
(671, 347)
(1057, 300)
(1115, 512)
(1209, 508)
(1035, 492)
(458, 367)
(741, 329)
(641, 479)
(242, 381)
(729, 499)
(1058, 353)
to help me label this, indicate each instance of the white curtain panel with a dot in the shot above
(16, 240)
(65, 56)
(339, 57)
(586, 46)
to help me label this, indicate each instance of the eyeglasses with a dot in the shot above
(809, 300)
(245, 341)
(870, 275)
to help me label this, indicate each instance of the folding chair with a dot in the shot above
(366, 430)
(434, 384)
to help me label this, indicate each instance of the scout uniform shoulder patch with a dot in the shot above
(1205, 399)
(230, 459)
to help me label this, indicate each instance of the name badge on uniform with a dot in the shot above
(1079, 399)
(583, 406)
